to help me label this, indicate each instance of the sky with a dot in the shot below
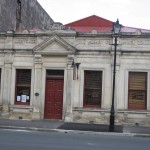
(131, 13)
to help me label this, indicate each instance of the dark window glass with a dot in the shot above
(55, 72)
(23, 86)
(92, 88)
(137, 94)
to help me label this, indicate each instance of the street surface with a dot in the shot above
(36, 140)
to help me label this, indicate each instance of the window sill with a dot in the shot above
(22, 103)
(87, 109)
(91, 106)
(24, 108)
(133, 111)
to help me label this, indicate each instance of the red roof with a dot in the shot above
(91, 23)
(94, 22)
(133, 30)
(100, 24)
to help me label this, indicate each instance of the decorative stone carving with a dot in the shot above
(94, 32)
(25, 32)
(58, 26)
(24, 41)
(70, 60)
(38, 58)
(8, 57)
(135, 42)
(92, 42)
(138, 32)
(54, 45)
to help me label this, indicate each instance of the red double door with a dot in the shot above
(54, 98)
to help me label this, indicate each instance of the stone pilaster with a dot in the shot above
(37, 87)
(6, 88)
(69, 94)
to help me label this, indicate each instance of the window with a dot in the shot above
(23, 86)
(92, 88)
(137, 94)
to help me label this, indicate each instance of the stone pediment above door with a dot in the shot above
(54, 45)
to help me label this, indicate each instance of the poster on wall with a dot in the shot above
(23, 98)
(27, 97)
(18, 98)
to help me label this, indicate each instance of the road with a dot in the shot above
(36, 140)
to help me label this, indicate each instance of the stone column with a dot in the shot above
(69, 90)
(37, 87)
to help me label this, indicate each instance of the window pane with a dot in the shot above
(24, 93)
(137, 80)
(92, 96)
(24, 76)
(55, 72)
(23, 86)
(137, 94)
(93, 88)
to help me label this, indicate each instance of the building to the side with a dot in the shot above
(65, 72)
(22, 14)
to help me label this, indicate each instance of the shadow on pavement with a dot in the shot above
(89, 127)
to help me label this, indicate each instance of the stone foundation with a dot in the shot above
(102, 117)
(133, 117)
(90, 116)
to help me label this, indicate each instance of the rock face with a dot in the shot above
(32, 15)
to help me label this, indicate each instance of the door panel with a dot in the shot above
(54, 99)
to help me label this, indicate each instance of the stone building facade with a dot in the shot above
(24, 14)
(64, 73)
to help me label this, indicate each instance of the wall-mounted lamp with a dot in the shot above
(75, 67)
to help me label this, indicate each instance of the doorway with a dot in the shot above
(54, 94)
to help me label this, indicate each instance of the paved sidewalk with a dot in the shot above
(54, 125)
(39, 124)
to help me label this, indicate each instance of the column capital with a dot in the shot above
(38, 58)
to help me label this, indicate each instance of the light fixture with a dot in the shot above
(116, 27)
(75, 67)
